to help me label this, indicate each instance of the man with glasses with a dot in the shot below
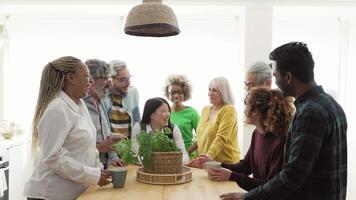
(100, 81)
(258, 75)
(122, 102)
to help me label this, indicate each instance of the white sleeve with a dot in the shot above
(97, 161)
(180, 144)
(53, 129)
(135, 131)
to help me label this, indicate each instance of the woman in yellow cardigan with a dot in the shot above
(217, 128)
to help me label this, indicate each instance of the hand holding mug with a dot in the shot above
(117, 163)
(219, 174)
(104, 178)
(201, 160)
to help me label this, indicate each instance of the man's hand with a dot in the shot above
(106, 145)
(117, 163)
(219, 174)
(232, 196)
(104, 178)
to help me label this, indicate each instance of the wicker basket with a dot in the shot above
(165, 163)
(165, 179)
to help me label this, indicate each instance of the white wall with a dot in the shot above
(3, 44)
(258, 44)
(2, 83)
(249, 38)
(350, 110)
(210, 45)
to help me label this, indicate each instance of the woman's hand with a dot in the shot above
(104, 178)
(192, 163)
(232, 196)
(201, 160)
(192, 148)
(219, 174)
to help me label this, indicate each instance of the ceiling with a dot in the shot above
(178, 2)
(122, 7)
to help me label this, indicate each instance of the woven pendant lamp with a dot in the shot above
(152, 19)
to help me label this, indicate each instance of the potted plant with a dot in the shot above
(157, 152)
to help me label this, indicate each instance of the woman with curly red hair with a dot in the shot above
(271, 113)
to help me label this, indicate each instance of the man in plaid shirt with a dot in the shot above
(315, 160)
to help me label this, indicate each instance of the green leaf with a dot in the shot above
(167, 131)
(154, 142)
(125, 151)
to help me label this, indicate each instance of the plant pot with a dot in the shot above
(165, 163)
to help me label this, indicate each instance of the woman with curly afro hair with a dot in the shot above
(271, 113)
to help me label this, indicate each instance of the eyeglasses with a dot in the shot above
(249, 85)
(123, 79)
(105, 78)
(175, 92)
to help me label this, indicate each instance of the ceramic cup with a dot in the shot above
(118, 175)
(211, 164)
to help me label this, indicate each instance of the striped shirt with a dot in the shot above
(119, 118)
(315, 162)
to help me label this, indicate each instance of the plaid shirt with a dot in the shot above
(315, 162)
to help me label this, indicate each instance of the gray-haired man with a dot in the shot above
(100, 73)
(122, 102)
(259, 74)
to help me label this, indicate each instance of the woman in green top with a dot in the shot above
(178, 89)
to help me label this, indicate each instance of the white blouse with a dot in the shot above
(68, 160)
(177, 136)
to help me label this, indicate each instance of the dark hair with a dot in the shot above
(294, 57)
(180, 80)
(275, 110)
(151, 106)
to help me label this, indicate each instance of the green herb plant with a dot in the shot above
(149, 142)
(126, 152)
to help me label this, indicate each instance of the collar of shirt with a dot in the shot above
(306, 95)
(121, 94)
(149, 128)
(93, 94)
(92, 99)
(70, 102)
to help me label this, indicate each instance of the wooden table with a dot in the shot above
(200, 188)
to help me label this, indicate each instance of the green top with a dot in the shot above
(187, 120)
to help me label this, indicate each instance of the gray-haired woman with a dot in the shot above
(63, 135)
(217, 129)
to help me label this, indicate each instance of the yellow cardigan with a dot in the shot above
(218, 137)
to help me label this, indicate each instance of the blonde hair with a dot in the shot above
(222, 84)
(52, 82)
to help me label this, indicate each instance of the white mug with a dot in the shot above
(211, 164)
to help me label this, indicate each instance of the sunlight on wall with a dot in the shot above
(206, 48)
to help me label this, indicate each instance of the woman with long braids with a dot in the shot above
(63, 144)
